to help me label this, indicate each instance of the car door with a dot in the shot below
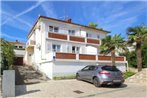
(90, 73)
(83, 73)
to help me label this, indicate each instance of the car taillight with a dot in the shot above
(104, 72)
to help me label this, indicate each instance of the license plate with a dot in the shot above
(116, 80)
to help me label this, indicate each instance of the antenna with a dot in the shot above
(65, 17)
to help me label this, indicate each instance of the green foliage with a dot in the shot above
(64, 77)
(7, 55)
(112, 43)
(128, 74)
(93, 25)
(131, 57)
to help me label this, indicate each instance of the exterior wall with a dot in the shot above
(68, 68)
(47, 69)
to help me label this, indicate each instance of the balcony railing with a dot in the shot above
(74, 38)
(65, 56)
(68, 56)
(77, 39)
(57, 36)
(87, 57)
(93, 41)
(109, 58)
(30, 43)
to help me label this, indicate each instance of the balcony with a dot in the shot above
(93, 41)
(72, 56)
(77, 39)
(108, 58)
(65, 56)
(30, 43)
(57, 36)
(73, 38)
(87, 57)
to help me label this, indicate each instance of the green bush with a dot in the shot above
(7, 55)
(64, 77)
(128, 74)
(132, 59)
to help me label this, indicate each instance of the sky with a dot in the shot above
(18, 17)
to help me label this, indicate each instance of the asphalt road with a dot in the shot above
(80, 89)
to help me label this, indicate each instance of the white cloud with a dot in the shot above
(23, 12)
(3, 35)
(48, 9)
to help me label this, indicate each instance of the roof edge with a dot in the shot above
(45, 17)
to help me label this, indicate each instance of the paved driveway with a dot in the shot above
(68, 88)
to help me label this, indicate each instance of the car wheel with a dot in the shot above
(96, 82)
(118, 84)
(77, 77)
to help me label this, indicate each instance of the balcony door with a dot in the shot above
(75, 49)
(56, 48)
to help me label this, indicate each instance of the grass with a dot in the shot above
(128, 74)
(64, 77)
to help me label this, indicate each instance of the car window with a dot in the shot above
(92, 68)
(85, 68)
(110, 68)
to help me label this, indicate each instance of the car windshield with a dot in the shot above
(110, 68)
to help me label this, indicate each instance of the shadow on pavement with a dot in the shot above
(108, 86)
(22, 90)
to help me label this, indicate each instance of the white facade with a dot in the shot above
(59, 48)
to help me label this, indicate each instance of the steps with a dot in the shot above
(140, 77)
(27, 75)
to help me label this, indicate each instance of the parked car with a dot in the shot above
(101, 74)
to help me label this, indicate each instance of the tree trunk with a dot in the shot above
(139, 57)
(113, 57)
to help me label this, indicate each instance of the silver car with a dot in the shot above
(101, 74)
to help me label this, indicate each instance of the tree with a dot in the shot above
(137, 35)
(93, 25)
(7, 55)
(112, 45)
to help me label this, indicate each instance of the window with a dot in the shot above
(56, 29)
(53, 29)
(110, 68)
(85, 68)
(20, 46)
(75, 49)
(88, 35)
(91, 68)
(98, 36)
(56, 48)
(71, 32)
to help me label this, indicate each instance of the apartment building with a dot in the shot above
(59, 48)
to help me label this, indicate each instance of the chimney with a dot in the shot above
(69, 20)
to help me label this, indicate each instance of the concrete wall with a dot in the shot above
(67, 68)
(8, 83)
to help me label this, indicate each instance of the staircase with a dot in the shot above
(140, 77)
(27, 75)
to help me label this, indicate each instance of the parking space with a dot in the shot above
(80, 89)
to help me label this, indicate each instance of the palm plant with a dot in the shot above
(137, 35)
(112, 45)
(93, 25)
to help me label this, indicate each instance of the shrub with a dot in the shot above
(7, 55)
